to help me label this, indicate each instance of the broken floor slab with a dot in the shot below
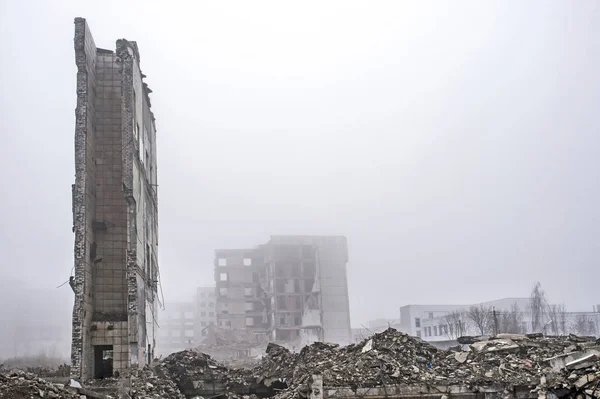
(583, 362)
(574, 360)
(495, 345)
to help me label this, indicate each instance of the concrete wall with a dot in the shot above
(114, 207)
(138, 136)
(109, 288)
(84, 201)
(332, 258)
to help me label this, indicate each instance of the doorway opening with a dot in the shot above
(103, 361)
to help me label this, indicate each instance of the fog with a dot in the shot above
(455, 145)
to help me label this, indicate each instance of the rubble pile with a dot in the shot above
(393, 357)
(63, 370)
(18, 384)
(41, 370)
(145, 383)
(521, 359)
(190, 370)
(584, 380)
(562, 366)
(390, 357)
(278, 364)
(577, 370)
(247, 363)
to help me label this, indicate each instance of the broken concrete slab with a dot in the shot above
(461, 357)
(583, 362)
(368, 346)
(513, 337)
(584, 380)
(467, 340)
(495, 345)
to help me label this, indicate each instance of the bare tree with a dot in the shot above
(583, 325)
(456, 322)
(511, 321)
(558, 318)
(538, 307)
(593, 327)
(481, 317)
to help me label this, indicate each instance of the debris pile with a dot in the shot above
(561, 366)
(145, 383)
(393, 357)
(531, 359)
(46, 369)
(277, 365)
(20, 384)
(577, 370)
(63, 370)
(585, 380)
(390, 357)
(191, 370)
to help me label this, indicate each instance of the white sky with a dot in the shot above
(455, 144)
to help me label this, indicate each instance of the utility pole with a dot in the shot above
(495, 320)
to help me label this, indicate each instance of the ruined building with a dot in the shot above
(294, 288)
(114, 211)
(185, 324)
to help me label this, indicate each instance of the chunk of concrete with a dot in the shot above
(497, 345)
(461, 357)
(74, 384)
(467, 339)
(584, 380)
(513, 337)
(583, 362)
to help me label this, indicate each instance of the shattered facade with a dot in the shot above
(294, 289)
(115, 211)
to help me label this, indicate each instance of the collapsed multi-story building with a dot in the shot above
(294, 288)
(115, 211)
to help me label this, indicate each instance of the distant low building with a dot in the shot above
(412, 316)
(443, 324)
